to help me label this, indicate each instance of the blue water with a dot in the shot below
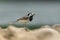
(46, 12)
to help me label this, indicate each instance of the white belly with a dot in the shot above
(23, 21)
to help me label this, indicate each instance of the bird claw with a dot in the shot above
(26, 29)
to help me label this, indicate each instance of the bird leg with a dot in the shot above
(25, 26)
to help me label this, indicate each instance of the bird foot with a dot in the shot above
(26, 29)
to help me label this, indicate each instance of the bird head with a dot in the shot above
(30, 14)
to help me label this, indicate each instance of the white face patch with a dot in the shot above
(30, 15)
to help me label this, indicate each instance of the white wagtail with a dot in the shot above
(26, 19)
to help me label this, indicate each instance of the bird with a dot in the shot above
(26, 19)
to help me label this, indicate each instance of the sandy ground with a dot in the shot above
(44, 33)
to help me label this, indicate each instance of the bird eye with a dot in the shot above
(29, 14)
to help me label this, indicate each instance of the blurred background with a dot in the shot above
(47, 12)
